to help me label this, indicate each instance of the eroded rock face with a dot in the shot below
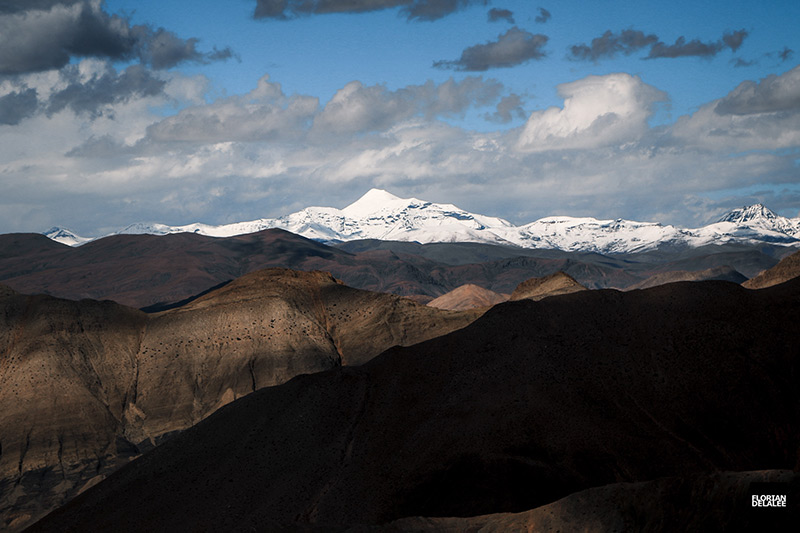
(534, 401)
(85, 386)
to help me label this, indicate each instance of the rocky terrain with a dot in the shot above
(86, 385)
(534, 402)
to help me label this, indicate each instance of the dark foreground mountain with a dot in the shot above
(84, 386)
(532, 402)
(697, 502)
(788, 268)
(155, 272)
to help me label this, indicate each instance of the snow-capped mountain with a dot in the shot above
(65, 236)
(384, 216)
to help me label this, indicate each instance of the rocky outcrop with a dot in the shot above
(85, 386)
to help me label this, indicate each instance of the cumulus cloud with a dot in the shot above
(511, 48)
(413, 9)
(762, 116)
(267, 153)
(358, 109)
(162, 49)
(543, 16)
(509, 108)
(265, 113)
(500, 14)
(90, 96)
(42, 35)
(697, 48)
(770, 95)
(598, 111)
(610, 44)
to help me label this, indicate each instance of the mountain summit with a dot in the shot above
(752, 213)
(382, 215)
(374, 201)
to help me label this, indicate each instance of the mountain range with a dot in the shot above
(153, 272)
(383, 216)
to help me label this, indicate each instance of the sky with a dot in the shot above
(218, 111)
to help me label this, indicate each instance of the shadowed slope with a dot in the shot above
(532, 402)
(786, 269)
(710, 502)
(85, 385)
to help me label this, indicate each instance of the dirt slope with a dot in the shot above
(467, 296)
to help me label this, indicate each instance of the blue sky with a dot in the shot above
(123, 111)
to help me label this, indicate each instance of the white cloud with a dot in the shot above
(263, 114)
(598, 111)
(265, 153)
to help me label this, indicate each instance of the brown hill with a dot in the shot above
(786, 269)
(722, 273)
(530, 403)
(552, 285)
(467, 296)
(86, 385)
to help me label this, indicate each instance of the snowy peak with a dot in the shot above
(374, 201)
(65, 236)
(383, 216)
(750, 214)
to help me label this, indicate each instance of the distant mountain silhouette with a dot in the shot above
(156, 272)
(532, 402)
